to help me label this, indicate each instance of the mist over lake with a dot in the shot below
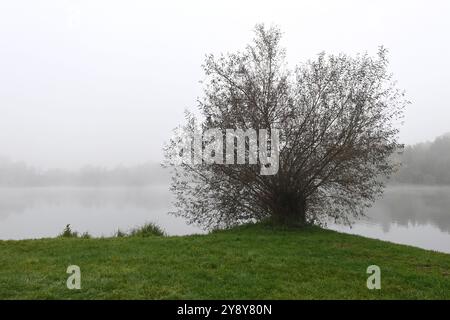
(414, 215)
(101, 211)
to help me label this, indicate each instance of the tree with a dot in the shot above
(426, 163)
(337, 118)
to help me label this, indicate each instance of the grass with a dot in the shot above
(249, 262)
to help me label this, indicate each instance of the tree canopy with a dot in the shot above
(337, 118)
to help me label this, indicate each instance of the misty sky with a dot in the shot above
(104, 82)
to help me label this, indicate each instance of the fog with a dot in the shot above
(104, 82)
(91, 90)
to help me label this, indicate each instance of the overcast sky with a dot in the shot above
(104, 82)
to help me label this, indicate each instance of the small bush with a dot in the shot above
(120, 234)
(147, 230)
(68, 233)
(86, 235)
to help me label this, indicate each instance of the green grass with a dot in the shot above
(250, 262)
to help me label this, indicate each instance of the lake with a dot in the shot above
(413, 215)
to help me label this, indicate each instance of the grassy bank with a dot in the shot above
(251, 262)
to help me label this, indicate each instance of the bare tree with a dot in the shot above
(338, 120)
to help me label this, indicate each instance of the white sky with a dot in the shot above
(104, 82)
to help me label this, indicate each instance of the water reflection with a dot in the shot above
(412, 205)
(414, 215)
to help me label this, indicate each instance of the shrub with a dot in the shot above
(147, 230)
(68, 233)
(120, 234)
(86, 235)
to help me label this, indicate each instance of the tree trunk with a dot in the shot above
(290, 210)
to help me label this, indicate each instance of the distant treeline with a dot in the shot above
(19, 174)
(425, 163)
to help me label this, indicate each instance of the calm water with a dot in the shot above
(43, 212)
(418, 216)
(413, 215)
